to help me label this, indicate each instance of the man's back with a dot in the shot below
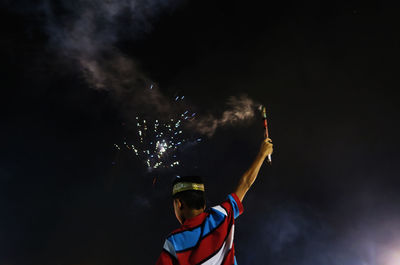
(206, 238)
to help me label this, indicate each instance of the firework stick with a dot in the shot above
(266, 134)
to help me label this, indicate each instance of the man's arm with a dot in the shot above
(250, 175)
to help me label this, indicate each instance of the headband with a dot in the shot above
(184, 186)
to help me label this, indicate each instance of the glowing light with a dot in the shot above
(393, 258)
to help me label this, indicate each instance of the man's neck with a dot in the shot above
(192, 213)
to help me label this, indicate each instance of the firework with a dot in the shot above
(157, 142)
(266, 133)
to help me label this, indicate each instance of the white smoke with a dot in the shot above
(89, 34)
(240, 109)
(295, 234)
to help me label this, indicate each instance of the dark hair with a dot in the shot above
(194, 199)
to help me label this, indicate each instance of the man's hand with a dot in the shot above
(250, 175)
(266, 147)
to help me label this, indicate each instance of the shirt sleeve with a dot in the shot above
(168, 255)
(233, 205)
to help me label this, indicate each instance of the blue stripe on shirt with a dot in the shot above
(234, 206)
(213, 221)
(186, 239)
(189, 239)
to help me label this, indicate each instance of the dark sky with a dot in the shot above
(327, 71)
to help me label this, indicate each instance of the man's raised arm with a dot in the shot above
(250, 175)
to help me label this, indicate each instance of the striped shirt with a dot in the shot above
(206, 239)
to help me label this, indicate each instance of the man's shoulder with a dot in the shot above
(192, 225)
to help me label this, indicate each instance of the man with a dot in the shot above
(206, 237)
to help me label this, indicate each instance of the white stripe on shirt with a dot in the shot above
(221, 254)
(168, 246)
(220, 209)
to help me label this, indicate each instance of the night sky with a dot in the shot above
(326, 70)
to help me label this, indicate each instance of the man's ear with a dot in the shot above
(180, 204)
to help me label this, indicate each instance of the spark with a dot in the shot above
(116, 146)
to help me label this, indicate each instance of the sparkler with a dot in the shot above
(266, 133)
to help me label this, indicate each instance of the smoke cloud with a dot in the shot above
(89, 35)
(240, 109)
(89, 32)
(294, 234)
